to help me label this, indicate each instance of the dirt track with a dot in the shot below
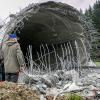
(12, 91)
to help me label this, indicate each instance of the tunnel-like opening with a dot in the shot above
(53, 34)
(51, 55)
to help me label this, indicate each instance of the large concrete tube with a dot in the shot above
(51, 23)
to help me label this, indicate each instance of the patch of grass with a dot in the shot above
(73, 97)
(97, 63)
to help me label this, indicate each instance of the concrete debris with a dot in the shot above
(91, 63)
(63, 81)
(42, 97)
(74, 87)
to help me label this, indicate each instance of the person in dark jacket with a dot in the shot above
(13, 58)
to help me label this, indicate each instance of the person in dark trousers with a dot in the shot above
(2, 72)
(13, 58)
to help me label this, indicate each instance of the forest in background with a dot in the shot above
(91, 23)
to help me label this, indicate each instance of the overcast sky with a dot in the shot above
(12, 6)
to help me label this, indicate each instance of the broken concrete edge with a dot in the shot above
(57, 7)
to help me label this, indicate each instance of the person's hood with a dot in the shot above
(10, 43)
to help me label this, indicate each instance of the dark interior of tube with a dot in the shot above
(42, 51)
(52, 38)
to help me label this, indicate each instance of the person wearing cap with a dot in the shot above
(13, 58)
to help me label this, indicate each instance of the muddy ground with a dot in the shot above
(13, 91)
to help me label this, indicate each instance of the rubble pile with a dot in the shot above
(62, 81)
(53, 86)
